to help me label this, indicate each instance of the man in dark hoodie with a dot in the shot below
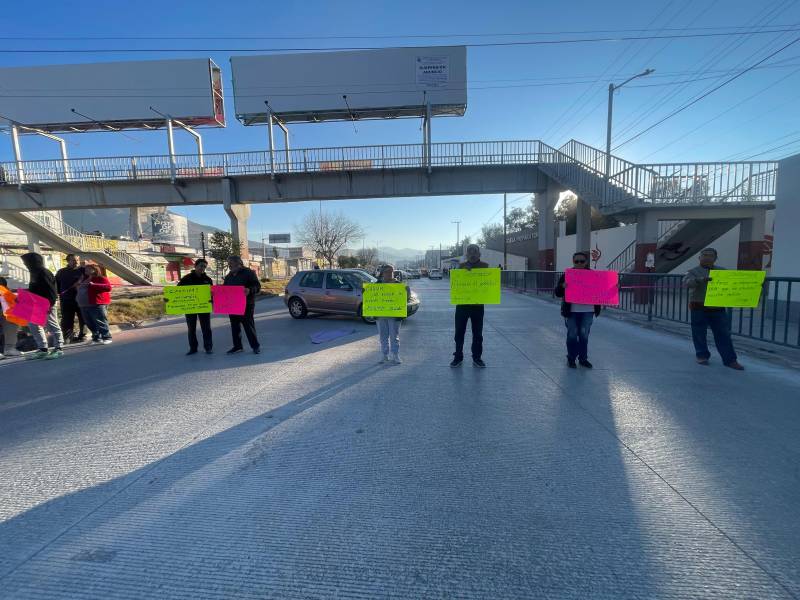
(238, 274)
(43, 284)
(67, 279)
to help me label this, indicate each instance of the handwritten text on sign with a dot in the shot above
(188, 299)
(592, 287)
(734, 289)
(475, 286)
(384, 300)
(228, 299)
(31, 308)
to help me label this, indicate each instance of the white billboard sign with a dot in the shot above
(280, 238)
(168, 228)
(116, 95)
(362, 84)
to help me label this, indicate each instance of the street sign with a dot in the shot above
(280, 238)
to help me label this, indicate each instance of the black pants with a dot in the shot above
(70, 308)
(247, 322)
(205, 327)
(464, 313)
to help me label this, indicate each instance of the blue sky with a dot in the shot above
(549, 92)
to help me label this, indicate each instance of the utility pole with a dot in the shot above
(505, 233)
(458, 233)
(611, 89)
(203, 243)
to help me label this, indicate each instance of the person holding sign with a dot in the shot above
(389, 327)
(470, 312)
(577, 317)
(703, 317)
(197, 276)
(93, 297)
(9, 324)
(43, 284)
(240, 275)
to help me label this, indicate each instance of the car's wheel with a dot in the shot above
(297, 308)
(370, 320)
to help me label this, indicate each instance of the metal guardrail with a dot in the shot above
(775, 320)
(576, 165)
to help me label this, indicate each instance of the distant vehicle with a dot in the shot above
(423, 272)
(435, 274)
(331, 291)
(414, 273)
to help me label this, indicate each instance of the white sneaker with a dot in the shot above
(396, 359)
(106, 342)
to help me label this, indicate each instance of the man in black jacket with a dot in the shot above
(198, 277)
(577, 317)
(238, 274)
(470, 312)
(43, 284)
(67, 280)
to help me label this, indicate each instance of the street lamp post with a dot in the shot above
(458, 232)
(611, 89)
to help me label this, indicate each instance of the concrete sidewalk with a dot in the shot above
(309, 471)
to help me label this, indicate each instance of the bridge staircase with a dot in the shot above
(62, 237)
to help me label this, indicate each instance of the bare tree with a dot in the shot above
(367, 256)
(327, 233)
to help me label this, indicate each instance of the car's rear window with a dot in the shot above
(312, 279)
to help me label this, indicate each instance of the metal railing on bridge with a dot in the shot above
(776, 319)
(577, 166)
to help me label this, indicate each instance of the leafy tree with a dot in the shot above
(221, 247)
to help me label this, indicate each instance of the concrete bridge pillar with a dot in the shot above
(238, 213)
(34, 244)
(787, 215)
(646, 240)
(583, 227)
(546, 230)
(751, 242)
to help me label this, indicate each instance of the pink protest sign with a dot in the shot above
(31, 307)
(592, 287)
(228, 299)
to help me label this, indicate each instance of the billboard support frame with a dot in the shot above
(17, 147)
(272, 120)
(171, 142)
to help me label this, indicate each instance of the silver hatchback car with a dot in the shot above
(332, 291)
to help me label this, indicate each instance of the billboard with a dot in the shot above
(280, 238)
(378, 84)
(115, 95)
(168, 228)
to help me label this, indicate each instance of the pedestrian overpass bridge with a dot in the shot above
(666, 191)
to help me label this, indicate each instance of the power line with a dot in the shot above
(706, 94)
(590, 40)
(371, 37)
(705, 123)
(721, 52)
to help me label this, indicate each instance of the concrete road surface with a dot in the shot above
(310, 471)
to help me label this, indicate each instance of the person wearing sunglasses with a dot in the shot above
(577, 317)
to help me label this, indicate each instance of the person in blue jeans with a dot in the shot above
(389, 327)
(578, 318)
(703, 317)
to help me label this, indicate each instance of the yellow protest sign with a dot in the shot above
(384, 300)
(188, 299)
(475, 286)
(734, 289)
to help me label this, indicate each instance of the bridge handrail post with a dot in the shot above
(462, 154)
(134, 174)
(305, 160)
